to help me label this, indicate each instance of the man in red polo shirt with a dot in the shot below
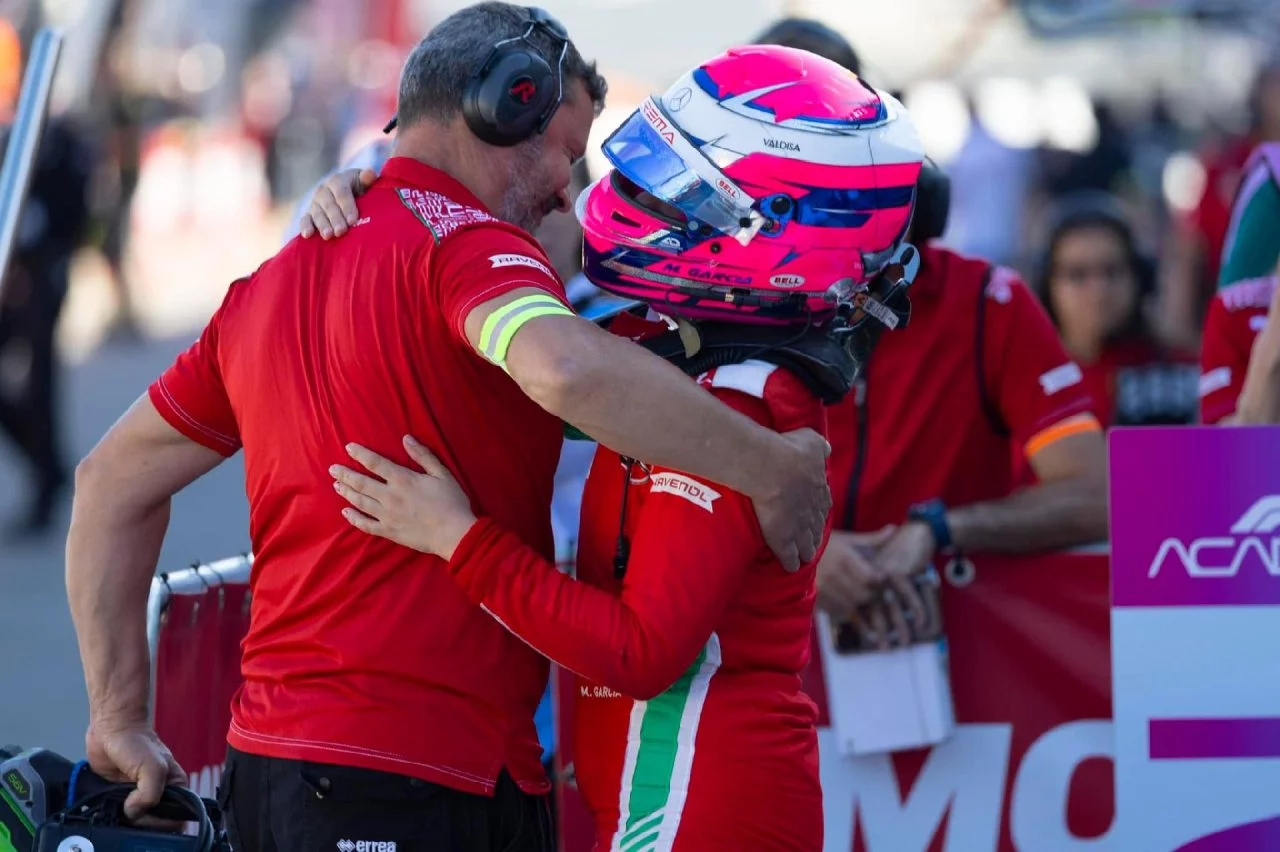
(930, 445)
(379, 706)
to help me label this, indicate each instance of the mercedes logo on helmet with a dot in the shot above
(680, 99)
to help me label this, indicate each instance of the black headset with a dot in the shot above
(516, 91)
(933, 204)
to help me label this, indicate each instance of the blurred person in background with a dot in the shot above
(987, 218)
(119, 123)
(52, 227)
(407, 719)
(1240, 359)
(922, 450)
(929, 451)
(813, 36)
(10, 69)
(1194, 255)
(1252, 247)
(1106, 167)
(1097, 287)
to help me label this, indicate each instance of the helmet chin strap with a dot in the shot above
(881, 298)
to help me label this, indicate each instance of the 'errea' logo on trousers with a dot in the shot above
(366, 846)
(1250, 543)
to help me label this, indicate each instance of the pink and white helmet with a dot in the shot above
(766, 185)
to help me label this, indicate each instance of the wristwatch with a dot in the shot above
(934, 513)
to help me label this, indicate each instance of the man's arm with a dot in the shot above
(118, 521)
(1067, 508)
(643, 407)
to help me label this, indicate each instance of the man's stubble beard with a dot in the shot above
(522, 203)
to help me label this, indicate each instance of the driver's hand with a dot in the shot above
(332, 211)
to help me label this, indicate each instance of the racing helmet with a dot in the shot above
(768, 185)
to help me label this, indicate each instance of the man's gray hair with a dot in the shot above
(440, 67)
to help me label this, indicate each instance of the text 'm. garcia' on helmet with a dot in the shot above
(764, 186)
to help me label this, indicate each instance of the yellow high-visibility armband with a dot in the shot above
(501, 325)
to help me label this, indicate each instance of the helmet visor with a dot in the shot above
(652, 153)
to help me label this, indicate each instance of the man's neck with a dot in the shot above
(443, 148)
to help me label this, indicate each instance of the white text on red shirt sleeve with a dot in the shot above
(484, 262)
(1035, 384)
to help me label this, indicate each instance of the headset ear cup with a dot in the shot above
(505, 103)
(933, 204)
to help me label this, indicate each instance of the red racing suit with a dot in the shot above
(692, 732)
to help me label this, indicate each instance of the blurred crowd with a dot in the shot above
(1118, 218)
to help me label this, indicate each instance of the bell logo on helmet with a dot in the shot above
(728, 189)
(787, 282)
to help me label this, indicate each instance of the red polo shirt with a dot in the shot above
(361, 652)
(916, 427)
(1236, 315)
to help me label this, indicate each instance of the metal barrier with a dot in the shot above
(195, 621)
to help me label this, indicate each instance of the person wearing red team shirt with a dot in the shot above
(927, 451)
(692, 731)
(1097, 287)
(1197, 254)
(378, 702)
(1240, 360)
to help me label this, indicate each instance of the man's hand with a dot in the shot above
(847, 578)
(333, 206)
(132, 753)
(794, 517)
(908, 552)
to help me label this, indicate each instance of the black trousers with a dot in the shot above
(276, 805)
